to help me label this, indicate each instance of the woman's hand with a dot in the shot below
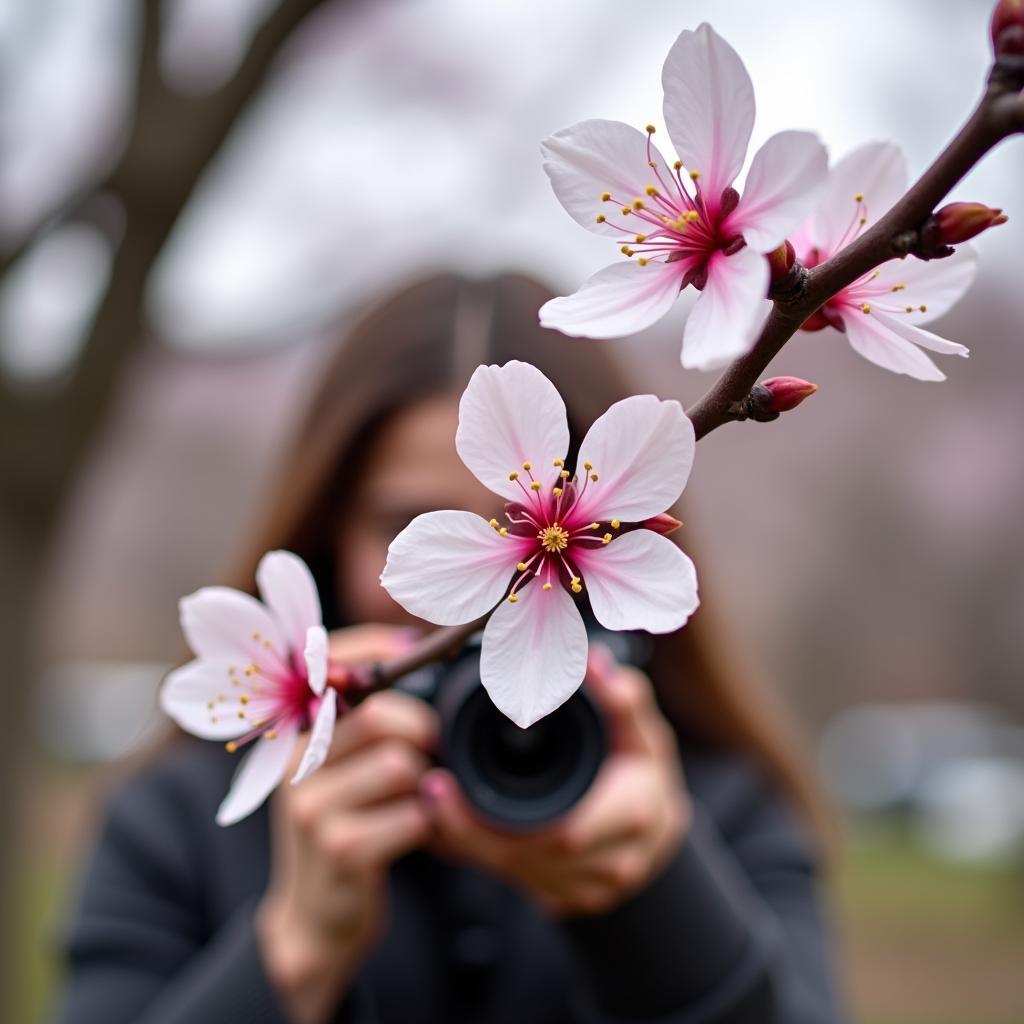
(336, 833)
(616, 839)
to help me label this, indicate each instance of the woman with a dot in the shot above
(681, 888)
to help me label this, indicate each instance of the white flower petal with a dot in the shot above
(288, 590)
(534, 654)
(919, 336)
(188, 692)
(728, 315)
(319, 737)
(225, 625)
(620, 299)
(510, 415)
(641, 449)
(640, 581)
(785, 182)
(593, 157)
(450, 567)
(709, 108)
(878, 172)
(258, 775)
(315, 655)
(936, 284)
(884, 347)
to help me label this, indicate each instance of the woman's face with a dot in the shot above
(411, 467)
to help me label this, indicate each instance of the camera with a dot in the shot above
(516, 778)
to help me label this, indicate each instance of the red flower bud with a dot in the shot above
(786, 393)
(662, 523)
(959, 221)
(1008, 28)
(781, 260)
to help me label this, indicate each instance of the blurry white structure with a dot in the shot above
(955, 770)
(99, 711)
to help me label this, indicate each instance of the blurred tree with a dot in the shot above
(47, 433)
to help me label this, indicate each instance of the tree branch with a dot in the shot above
(999, 115)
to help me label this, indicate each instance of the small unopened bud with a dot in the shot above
(787, 392)
(781, 260)
(769, 399)
(957, 222)
(663, 523)
(1008, 28)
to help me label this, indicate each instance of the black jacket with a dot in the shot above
(731, 933)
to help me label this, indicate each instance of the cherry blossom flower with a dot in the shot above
(684, 228)
(260, 675)
(597, 531)
(880, 313)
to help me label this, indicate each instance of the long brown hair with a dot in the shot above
(427, 340)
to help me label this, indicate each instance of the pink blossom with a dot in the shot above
(684, 228)
(259, 675)
(881, 311)
(565, 535)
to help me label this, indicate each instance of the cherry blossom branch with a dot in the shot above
(902, 232)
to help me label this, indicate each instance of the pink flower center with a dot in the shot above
(265, 696)
(553, 528)
(863, 295)
(668, 224)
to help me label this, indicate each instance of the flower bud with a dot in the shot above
(787, 392)
(958, 222)
(781, 260)
(662, 523)
(1008, 28)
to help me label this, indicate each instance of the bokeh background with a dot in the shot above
(197, 196)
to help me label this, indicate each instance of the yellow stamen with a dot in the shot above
(513, 475)
(923, 308)
(606, 539)
(642, 261)
(564, 474)
(512, 598)
(600, 218)
(593, 477)
(521, 566)
(859, 197)
(651, 190)
(527, 466)
(271, 734)
(493, 523)
(641, 238)
(605, 196)
(547, 586)
(694, 175)
(558, 462)
(626, 211)
(553, 538)
(638, 204)
(535, 486)
(678, 165)
(576, 588)
(243, 699)
(556, 491)
(865, 307)
(231, 746)
(650, 129)
(503, 532)
(615, 524)
(588, 466)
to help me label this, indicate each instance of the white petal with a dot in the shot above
(728, 315)
(594, 157)
(534, 654)
(258, 775)
(936, 284)
(225, 625)
(315, 654)
(510, 415)
(640, 581)
(319, 737)
(450, 567)
(288, 590)
(641, 450)
(621, 299)
(784, 184)
(878, 172)
(709, 108)
(876, 342)
(919, 336)
(187, 693)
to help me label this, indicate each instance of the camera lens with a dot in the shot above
(518, 777)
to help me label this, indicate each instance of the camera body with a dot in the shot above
(516, 778)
